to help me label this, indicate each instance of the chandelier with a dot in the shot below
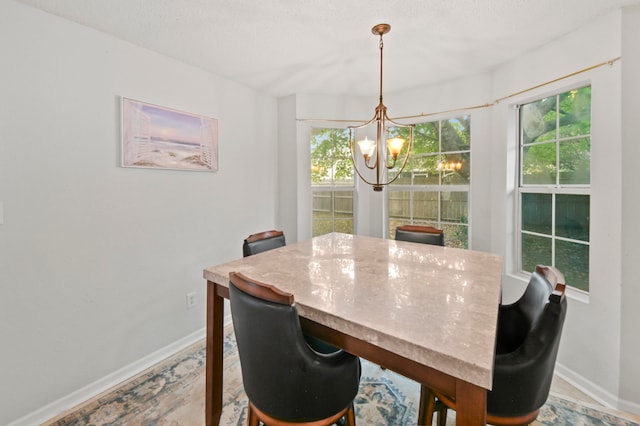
(381, 154)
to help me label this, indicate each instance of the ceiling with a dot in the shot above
(284, 47)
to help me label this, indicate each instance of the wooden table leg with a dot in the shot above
(471, 404)
(427, 405)
(215, 320)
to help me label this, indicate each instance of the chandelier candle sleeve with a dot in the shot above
(376, 153)
(368, 147)
(395, 146)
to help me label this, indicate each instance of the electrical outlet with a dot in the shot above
(191, 300)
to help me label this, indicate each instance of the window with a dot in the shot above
(433, 189)
(332, 182)
(554, 184)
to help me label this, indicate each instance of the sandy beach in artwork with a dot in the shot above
(169, 155)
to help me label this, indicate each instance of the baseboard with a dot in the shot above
(629, 407)
(596, 392)
(63, 404)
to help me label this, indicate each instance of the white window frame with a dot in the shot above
(553, 190)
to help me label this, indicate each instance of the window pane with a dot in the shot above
(575, 161)
(321, 171)
(342, 162)
(405, 177)
(343, 172)
(572, 259)
(343, 225)
(455, 169)
(321, 227)
(425, 206)
(455, 134)
(399, 204)
(456, 236)
(322, 204)
(332, 211)
(539, 164)
(575, 113)
(536, 213)
(330, 157)
(420, 170)
(535, 251)
(426, 138)
(425, 170)
(343, 203)
(440, 156)
(454, 206)
(538, 120)
(572, 216)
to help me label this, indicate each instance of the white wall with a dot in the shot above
(287, 166)
(96, 259)
(630, 348)
(600, 350)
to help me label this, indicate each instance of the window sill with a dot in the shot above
(572, 293)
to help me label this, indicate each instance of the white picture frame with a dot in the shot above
(158, 137)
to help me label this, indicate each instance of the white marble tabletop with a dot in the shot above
(435, 305)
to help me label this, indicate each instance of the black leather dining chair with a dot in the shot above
(263, 241)
(420, 234)
(527, 341)
(286, 381)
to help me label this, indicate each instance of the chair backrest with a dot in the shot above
(282, 375)
(527, 345)
(515, 320)
(420, 234)
(263, 241)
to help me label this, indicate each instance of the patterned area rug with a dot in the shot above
(172, 394)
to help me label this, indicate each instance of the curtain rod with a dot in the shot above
(487, 105)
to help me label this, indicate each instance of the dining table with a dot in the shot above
(426, 312)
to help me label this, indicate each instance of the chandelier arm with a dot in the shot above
(396, 124)
(365, 179)
(381, 184)
(375, 117)
(369, 166)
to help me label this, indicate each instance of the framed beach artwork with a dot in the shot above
(163, 138)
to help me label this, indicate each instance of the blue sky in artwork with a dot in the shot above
(173, 125)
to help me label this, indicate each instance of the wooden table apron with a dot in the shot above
(470, 398)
